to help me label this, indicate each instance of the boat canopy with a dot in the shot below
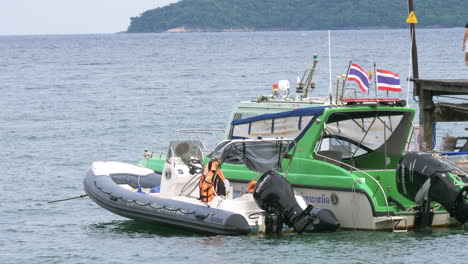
(256, 154)
(369, 129)
(291, 124)
(365, 139)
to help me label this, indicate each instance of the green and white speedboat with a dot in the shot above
(350, 158)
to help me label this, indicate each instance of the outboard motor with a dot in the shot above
(274, 194)
(423, 179)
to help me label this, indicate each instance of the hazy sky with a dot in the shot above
(24, 17)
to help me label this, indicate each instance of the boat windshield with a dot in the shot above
(370, 139)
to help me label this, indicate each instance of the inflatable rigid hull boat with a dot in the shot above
(109, 184)
(192, 195)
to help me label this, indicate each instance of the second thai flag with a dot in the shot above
(388, 81)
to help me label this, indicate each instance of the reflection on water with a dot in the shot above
(140, 229)
(211, 241)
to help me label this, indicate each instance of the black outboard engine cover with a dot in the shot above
(274, 194)
(423, 178)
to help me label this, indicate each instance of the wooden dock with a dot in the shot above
(430, 112)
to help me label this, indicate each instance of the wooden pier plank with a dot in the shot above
(443, 87)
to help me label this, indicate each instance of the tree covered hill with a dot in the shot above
(219, 15)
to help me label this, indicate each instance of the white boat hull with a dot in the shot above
(354, 211)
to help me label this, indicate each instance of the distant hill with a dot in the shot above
(227, 15)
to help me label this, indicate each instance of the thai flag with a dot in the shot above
(357, 74)
(388, 81)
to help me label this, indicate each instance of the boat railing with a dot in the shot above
(349, 90)
(365, 173)
(208, 138)
(453, 165)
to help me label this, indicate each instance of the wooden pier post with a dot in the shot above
(430, 112)
(425, 90)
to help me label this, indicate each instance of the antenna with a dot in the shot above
(375, 79)
(345, 79)
(329, 68)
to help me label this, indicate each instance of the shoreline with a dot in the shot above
(233, 30)
(213, 30)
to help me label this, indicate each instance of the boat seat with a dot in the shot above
(331, 156)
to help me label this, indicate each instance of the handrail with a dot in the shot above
(444, 158)
(354, 168)
(198, 133)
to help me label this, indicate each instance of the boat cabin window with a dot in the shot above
(237, 116)
(366, 139)
(289, 127)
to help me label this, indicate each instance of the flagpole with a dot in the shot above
(344, 81)
(375, 79)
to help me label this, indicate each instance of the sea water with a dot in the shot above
(69, 100)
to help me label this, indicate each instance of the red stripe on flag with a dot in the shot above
(386, 88)
(357, 66)
(363, 88)
(388, 72)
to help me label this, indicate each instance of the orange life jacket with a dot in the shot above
(211, 182)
